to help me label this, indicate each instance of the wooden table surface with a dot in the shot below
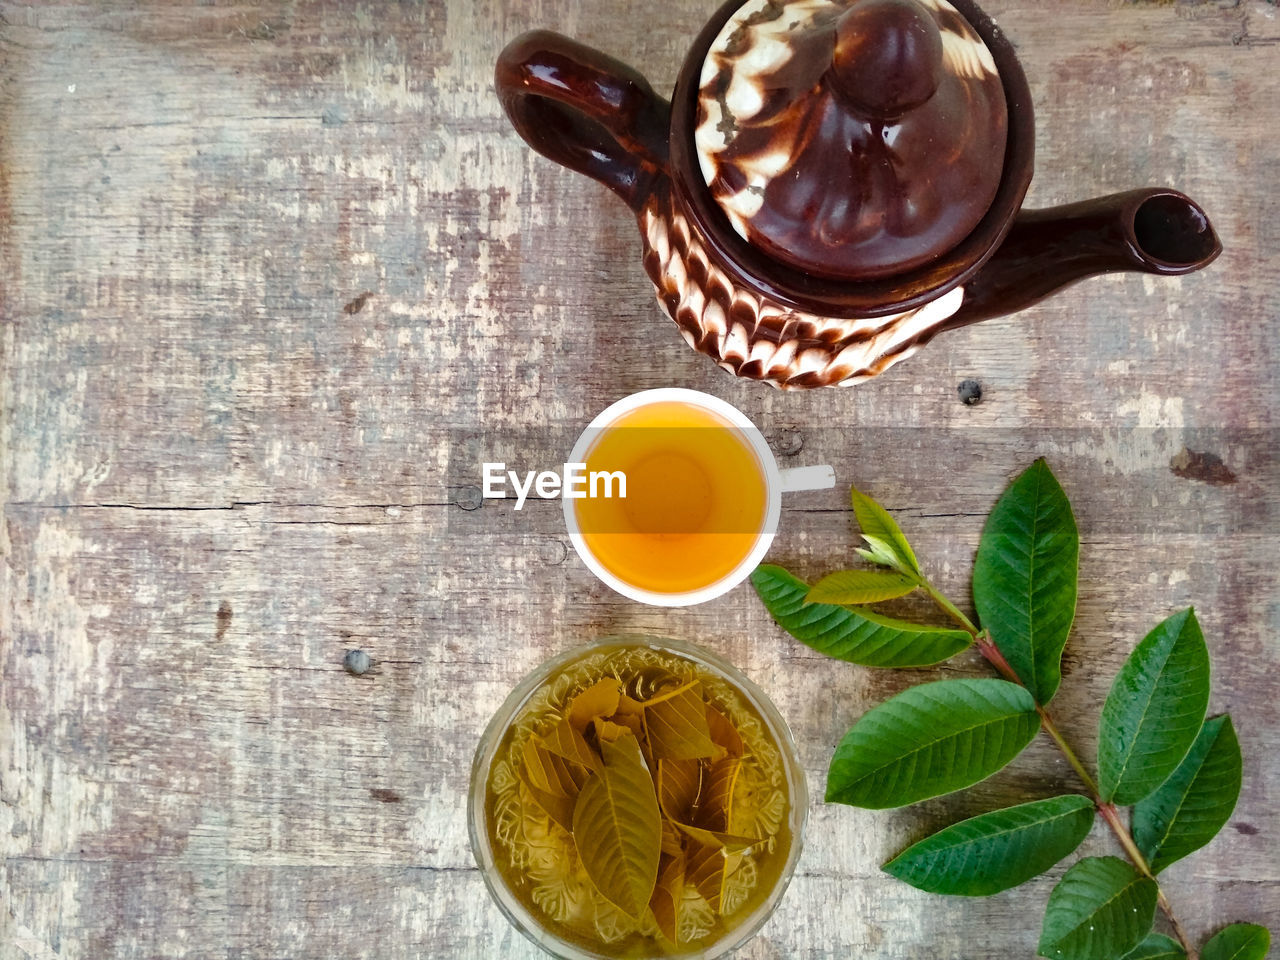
(273, 273)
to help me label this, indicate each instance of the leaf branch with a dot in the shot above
(1157, 752)
(1112, 816)
(991, 653)
(1108, 811)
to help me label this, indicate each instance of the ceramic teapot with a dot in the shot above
(834, 182)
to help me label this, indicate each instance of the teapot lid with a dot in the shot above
(851, 139)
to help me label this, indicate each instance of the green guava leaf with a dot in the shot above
(856, 635)
(929, 740)
(1154, 711)
(1024, 578)
(998, 850)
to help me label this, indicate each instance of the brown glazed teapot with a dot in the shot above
(835, 181)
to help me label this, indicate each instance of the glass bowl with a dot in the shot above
(529, 863)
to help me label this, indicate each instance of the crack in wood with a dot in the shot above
(234, 505)
(1245, 39)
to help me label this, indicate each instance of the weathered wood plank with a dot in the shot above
(270, 275)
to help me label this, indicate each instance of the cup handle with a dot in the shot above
(795, 479)
(586, 110)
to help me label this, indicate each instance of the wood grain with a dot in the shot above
(272, 273)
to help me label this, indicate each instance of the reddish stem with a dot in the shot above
(1108, 811)
(1112, 816)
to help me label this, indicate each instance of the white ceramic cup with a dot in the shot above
(777, 482)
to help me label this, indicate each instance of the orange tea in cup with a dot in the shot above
(702, 499)
(695, 503)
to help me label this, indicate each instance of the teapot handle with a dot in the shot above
(587, 111)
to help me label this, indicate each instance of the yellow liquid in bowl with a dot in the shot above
(695, 504)
(537, 860)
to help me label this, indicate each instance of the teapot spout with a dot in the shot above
(1153, 231)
